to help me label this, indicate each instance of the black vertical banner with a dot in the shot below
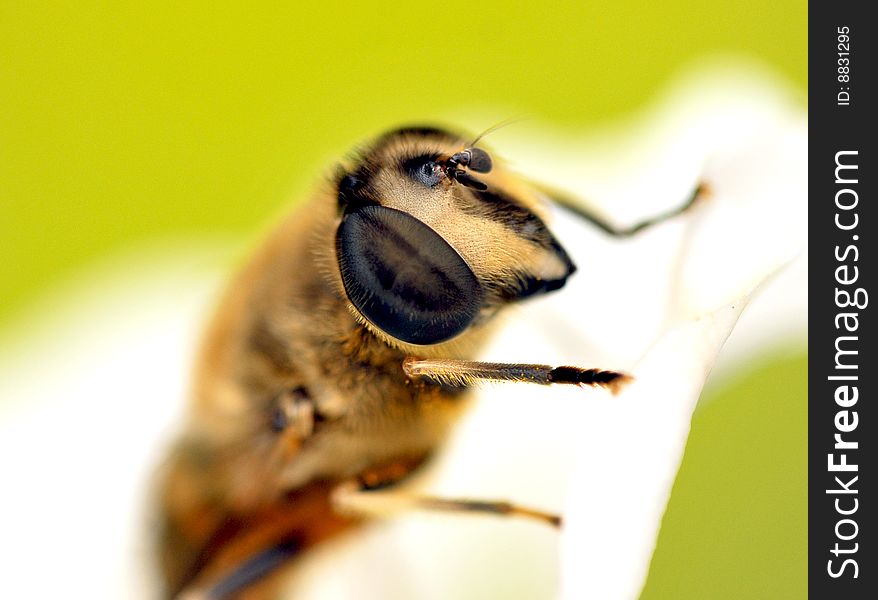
(843, 371)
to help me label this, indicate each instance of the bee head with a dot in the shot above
(434, 238)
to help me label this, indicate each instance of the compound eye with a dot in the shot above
(404, 278)
(424, 169)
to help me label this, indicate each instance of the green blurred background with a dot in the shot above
(124, 125)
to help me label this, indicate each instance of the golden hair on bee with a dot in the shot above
(341, 355)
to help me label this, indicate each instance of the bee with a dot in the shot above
(344, 352)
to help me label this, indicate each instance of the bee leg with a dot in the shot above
(245, 576)
(467, 372)
(701, 191)
(352, 498)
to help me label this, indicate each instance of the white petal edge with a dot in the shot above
(618, 493)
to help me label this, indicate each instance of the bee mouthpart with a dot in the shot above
(464, 178)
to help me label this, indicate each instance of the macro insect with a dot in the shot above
(342, 354)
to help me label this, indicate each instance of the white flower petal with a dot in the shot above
(619, 489)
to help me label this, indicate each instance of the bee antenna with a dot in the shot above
(495, 127)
